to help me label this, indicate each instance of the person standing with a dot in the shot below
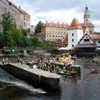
(3, 61)
(18, 59)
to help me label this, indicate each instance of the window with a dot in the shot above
(72, 34)
(99, 41)
(72, 40)
(86, 40)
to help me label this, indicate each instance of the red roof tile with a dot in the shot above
(75, 24)
(21, 10)
(94, 36)
(87, 25)
(56, 25)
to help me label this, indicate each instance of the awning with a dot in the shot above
(65, 48)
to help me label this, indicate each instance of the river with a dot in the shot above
(85, 87)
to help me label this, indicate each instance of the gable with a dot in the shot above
(86, 40)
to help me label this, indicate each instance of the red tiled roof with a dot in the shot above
(94, 36)
(21, 10)
(75, 24)
(56, 25)
(87, 25)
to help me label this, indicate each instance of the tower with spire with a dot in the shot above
(86, 15)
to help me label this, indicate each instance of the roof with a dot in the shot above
(75, 24)
(21, 10)
(65, 41)
(87, 25)
(56, 25)
(92, 36)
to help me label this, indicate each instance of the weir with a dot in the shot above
(36, 77)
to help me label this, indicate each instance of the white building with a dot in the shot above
(75, 33)
(76, 30)
(89, 40)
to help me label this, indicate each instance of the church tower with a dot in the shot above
(86, 15)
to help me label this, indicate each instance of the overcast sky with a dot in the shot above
(62, 11)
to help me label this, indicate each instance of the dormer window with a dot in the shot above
(86, 40)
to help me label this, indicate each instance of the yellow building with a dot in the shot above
(54, 32)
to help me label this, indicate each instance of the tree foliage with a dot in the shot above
(13, 37)
(96, 33)
(38, 27)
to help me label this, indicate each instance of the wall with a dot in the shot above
(75, 35)
(86, 37)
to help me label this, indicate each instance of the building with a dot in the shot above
(54, 32)
(32, 29)
(76, 30)
(21, 17)
(75, 33)
(88, 45)
(87, 22)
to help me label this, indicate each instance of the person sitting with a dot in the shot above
(58, 70)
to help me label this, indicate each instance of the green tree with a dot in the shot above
(35, 41)
(7, 22)
(8, 26)
(38, 27)
(1, 40)
(8, 39)
(18, 38)
(96, 33)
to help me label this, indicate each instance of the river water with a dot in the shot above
(85, 87)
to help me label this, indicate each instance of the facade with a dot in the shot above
(54, 32)
(88, 45)
(21, 18)
(32, 29)
(77, 30)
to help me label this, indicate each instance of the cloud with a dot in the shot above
(61, 16)
(62, 11)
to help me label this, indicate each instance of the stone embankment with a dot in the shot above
(36, 77)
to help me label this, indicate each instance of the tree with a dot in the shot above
(7, 22)
(18, 38)
(96, 33)
(38, 27)
(8, 26)
(8, 39)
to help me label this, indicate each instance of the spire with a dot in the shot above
(86, 15)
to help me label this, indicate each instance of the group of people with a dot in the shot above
(5, 60)
(52, 67)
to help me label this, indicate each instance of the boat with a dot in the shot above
(61, 72)
(95, 71)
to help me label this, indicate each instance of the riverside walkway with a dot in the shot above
(38, 78)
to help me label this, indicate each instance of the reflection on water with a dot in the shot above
(85, 87)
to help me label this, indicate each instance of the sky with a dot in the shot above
(60, 11)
